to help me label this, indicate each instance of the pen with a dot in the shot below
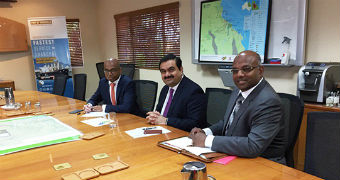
(149, 128)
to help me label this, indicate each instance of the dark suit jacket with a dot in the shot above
(125, 96)
(258, 126)
(188, 107)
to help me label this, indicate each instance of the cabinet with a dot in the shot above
(6, 84)
(12, 36)
(300, 146)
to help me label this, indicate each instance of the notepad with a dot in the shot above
(184, 145)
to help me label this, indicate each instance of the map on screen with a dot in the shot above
(228, 27)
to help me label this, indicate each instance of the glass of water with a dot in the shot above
(112, 117)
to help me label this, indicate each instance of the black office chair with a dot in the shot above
(100, 69)
(293, 108)
(146, 92)
(79, 86)
(217, 103)
(128, 70)
(59, 84)
(322, 156)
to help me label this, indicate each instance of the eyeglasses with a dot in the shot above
(246, 69)
(111, 70)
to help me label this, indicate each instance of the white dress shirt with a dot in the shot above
(116, 85)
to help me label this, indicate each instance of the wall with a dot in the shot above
(322, 41)
(18, 66)
(99, 42)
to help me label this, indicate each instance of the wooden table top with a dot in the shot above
(145, 158)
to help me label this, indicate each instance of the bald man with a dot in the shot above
(116, 91)
(253, 124)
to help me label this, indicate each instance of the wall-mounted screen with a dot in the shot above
(286, 27)
(228, 27)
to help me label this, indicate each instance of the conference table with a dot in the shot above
(146, 160)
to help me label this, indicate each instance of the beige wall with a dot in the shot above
(18, 66)
(322, 41)
(99, 41)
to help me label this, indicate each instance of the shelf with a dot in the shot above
(12, 36)
(278, 65)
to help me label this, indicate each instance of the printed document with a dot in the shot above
(28, 132)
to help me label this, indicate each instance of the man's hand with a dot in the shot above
(155, 117)
(88, 108)
(97, 108)
(195, 130)
(198, 137)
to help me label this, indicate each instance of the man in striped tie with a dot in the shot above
(115, 91)
(253, 124)
(182, 103)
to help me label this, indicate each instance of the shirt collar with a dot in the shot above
(116, 81)
(175, 87)
(246, 93)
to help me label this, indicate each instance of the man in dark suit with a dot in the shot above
(182, 103)
(115, 90)
(253, 124)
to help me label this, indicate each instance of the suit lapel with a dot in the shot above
(244, 106)
(119, 89)
(230, 108)
(106, 92)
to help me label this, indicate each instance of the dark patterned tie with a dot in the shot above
(236, 108)
(165, 113)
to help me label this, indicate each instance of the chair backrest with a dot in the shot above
(146, 92)
(128, 70)
(217, 103)
(322, 156)
(100, 69)
(293, 108)
(79, 86)
(59, 84)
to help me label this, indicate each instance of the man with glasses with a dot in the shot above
(253, 124)
(116, 91)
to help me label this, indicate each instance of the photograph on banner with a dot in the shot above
(50, 51)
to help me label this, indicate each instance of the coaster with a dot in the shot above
(111, 167)
(87, 173)
(92, 135)
(71, 176)
(58, 167)
(100, 156)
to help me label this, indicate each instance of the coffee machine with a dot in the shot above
(316, 80)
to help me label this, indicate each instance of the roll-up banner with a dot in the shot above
(50, 51)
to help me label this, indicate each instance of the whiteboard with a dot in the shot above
(288, 18)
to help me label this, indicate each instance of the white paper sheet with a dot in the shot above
(96, 122)
(139, 132)
(94, 114)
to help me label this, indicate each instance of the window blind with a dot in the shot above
(145, 36)
(74, 39)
